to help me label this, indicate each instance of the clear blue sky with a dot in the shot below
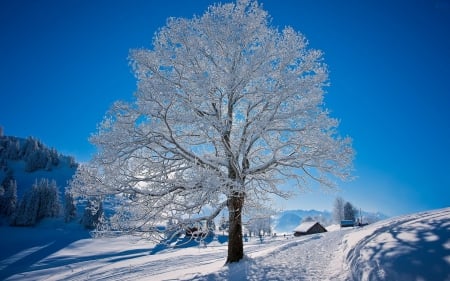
(63, 63)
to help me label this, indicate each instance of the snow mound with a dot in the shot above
(413, 247)
(333, 227)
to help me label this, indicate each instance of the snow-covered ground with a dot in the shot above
(413, 247)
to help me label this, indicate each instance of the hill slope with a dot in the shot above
(28, 160)
(413, 247)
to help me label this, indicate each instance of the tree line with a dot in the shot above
(35, 154)
(43, 200)
(343, 210)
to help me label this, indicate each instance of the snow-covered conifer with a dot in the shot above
(349, 212)
(72, 162)
(49, 203)
(41, 201)
(27, 211)
(8, 200)
(70, 210)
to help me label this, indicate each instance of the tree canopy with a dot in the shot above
(227, 109)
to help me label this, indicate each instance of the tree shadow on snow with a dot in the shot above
(250, 269)
(420, 251)
(187, 242)
(274, 266)
(22, 247)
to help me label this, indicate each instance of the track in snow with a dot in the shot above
(306, 258)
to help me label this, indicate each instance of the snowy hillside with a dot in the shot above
(413, 247)
(28, 160)
(33, 179)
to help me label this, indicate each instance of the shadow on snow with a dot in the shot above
(22, 249)
(417, 250)
(187, 242)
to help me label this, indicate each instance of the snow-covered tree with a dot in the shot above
(338, 209)
(26, 212)
(70, 210)
(41, 201)
(35, 160)
(349, 212)
(228, 108)
(93, 213)
(259, 226)
(223, 224)
(49, 201)
(258, 219)
(71, 161)
(9, 149)
(8, 198)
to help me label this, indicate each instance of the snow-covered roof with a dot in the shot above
(305, 226)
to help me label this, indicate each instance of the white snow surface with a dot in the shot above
(412, 247)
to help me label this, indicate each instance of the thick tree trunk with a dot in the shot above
(235, 243)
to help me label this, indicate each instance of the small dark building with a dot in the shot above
(310, 227)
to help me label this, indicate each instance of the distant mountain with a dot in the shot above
(27, 160)
(287, 221)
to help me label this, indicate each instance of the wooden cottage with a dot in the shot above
(310, 227)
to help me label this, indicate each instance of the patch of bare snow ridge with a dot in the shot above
(311, 257)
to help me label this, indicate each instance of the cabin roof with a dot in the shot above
(305, 226)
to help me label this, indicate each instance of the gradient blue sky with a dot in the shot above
(63, 63)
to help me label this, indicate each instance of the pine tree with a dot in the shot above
(48, 198)
(26, 214)
(41, 201)
(349, 212)
(70, 211)
(72, 162)
(8, 200)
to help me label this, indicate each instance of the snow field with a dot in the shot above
(413, 247)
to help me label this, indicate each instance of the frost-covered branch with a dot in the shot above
(227, 109)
